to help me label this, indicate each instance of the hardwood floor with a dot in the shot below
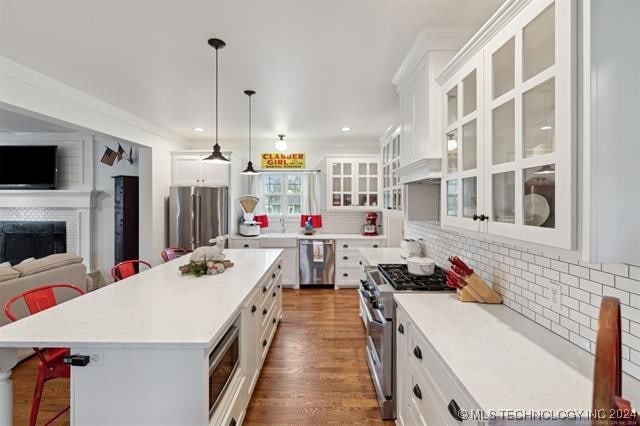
(315, 371)
(54, 398)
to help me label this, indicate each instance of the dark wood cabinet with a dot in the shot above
(126, 218)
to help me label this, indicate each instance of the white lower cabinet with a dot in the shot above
(428, 393)
(290, 267)
(349, 268)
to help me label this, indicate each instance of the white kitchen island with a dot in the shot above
(150, 338)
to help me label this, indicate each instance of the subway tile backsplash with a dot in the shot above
(333, 222)
(522, 276)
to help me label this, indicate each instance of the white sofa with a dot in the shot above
(57, 268)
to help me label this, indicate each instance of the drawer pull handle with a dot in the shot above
(375, 246)
(345, 246)
(454, 410)
(278, 285)
(264, 311)
(279, 266)
(273, 275)
(274, 294)
(264, 289)
(417, 392)
(232, 422)
(345, 275)
(246, 246)
(401, 329)
(345, 258)
(253, 308)
(264, 343)
(273, 321)
(417, 352)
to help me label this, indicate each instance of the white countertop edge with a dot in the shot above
(375, 256)
(317, 236)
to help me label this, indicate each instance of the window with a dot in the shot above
(283, 193)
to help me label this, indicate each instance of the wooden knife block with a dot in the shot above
(477, 290)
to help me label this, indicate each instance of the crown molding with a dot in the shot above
(495, 24)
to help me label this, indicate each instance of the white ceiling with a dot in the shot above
(317, 65)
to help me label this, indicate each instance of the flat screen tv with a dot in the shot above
(28, 167)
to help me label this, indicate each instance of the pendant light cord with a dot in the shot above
(216, 95)
(249, 127)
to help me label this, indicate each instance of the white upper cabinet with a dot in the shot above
(354, 183)
(419, 95)
(392, 190)
(510, 111)
(188, 169)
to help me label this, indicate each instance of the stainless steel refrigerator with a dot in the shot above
(197, 214)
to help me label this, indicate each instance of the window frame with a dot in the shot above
(283, 194)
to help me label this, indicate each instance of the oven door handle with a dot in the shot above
(379, 318)
(367, 310)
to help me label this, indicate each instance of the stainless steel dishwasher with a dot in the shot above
(317, 262)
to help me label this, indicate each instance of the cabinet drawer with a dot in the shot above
(349, 244)
(349, 276)
(267, 334)
(348, 258)
(423, 403)
(424, 361)
(244, 243)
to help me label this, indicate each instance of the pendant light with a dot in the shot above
(281, 144)
(216, 156)
(249, 170)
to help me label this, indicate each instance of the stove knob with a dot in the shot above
(377, 304)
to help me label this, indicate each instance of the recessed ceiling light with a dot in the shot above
(346, 129)
(198, 129)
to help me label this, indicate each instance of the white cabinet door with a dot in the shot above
(530, 142)
(185, 170)
(212, 174)
(290, 267)
(462, 183)
(189, 169)
(407, 125)
(354, 183)
(250, 321)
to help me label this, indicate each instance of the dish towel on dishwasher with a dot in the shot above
(318, 251)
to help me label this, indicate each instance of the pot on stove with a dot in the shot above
(423, 266)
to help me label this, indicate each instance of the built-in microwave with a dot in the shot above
(223, 363)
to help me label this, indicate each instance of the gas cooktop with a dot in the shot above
(399, 277)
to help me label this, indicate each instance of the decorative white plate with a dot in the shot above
(536, 209)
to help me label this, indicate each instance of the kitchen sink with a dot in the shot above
(279, 240)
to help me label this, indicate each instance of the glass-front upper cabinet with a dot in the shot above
(392, 190)
(508, 115)
(353, 183)
(529, 134)
(462, 189)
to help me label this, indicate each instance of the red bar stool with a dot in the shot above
(127, 268)
(51, 365)
(172, 253)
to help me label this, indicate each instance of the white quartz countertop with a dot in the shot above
(316, 236)
(503, 359)
(157, 307)
(376, 256)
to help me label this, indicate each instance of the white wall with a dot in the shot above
(103, 233)
(30, 91)
(315, 155)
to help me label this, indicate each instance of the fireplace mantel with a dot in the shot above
(54, 198)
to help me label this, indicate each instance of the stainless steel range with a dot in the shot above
(376, 294)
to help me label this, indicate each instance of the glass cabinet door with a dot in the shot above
(341, 184)
(529, 126)
(367, 178)
(462, 183)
